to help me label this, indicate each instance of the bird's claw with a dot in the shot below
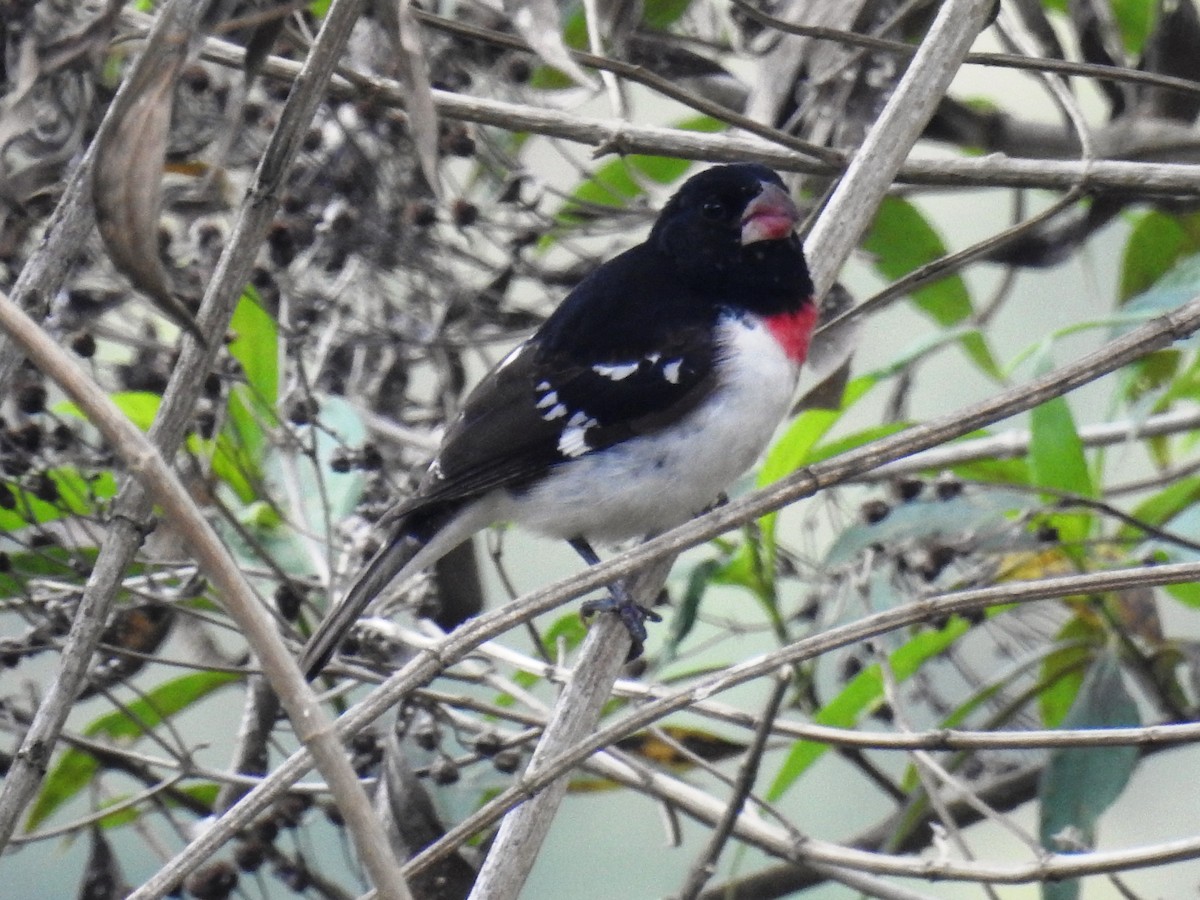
(633, 616)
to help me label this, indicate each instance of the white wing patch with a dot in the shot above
(616, 371)
(555, 412)
(573, 441)
(548, 399)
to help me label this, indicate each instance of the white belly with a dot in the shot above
(649, 484)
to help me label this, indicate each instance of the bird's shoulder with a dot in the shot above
(628, 353)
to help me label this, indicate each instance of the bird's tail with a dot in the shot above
(418, 542)
(383, 567)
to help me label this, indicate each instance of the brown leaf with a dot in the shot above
(127, 185)
(404, 32)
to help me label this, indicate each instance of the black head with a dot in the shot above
(731, 228)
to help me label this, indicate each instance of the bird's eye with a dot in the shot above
(712, 209)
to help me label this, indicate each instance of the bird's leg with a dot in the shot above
(632, 614)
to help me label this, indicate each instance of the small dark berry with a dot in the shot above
(370, 458)
(249, 855)
(507, 760)
(83, 344)
(265, 830)
(1047, 534)
(45, 488)
(293, 876)
(518, 70)
(457, 141)
(947, 487)
(420, 213)
(340, 460)
(908, 489)
(299, 412)
(487, 743)
(464, 213)
(288, 601)
(31, 399)
(5, 562)
(333, 814)
(215, 881)
(874, 511)
(443, 771)
(290, 809)
(426, 734)
(212, 386)
(206, 424)
(62, 437)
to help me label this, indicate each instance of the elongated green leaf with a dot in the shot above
(1057, 460)
(1080, 783)
(75, 768)
(685, 616)
(1064, 669)
(257, 348)
(901, 240)
(860, 695)
(140, 406)
(76, 495)
(53, 562)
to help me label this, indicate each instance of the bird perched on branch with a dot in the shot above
(658, 381)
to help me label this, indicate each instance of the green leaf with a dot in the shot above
(1080, 783)
(1064, 668)
(685, 616)
(795, 448)
(1169, 292)
(75, 768)
(862, 694)
(1057, 460)
(902, 240)
(52, 562)
(325, 497)
(140, 407)
(1156, 242)
(77, 496)
(1135, 21)
(256, 347)
(661, 14)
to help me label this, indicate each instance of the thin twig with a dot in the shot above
(706, 866)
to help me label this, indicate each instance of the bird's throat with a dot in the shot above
(793, 330)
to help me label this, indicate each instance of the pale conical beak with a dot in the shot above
(769, 216)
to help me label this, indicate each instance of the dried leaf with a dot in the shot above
(413, 68)
(127, 185)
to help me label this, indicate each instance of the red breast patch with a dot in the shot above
(794, 330)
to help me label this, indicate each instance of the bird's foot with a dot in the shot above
(633, 616)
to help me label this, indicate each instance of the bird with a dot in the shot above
(656, 383)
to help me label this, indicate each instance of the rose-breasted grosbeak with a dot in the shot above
(656, 383)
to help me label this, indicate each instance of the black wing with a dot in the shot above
(630, 351)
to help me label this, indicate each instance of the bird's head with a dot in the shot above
(734, 227)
